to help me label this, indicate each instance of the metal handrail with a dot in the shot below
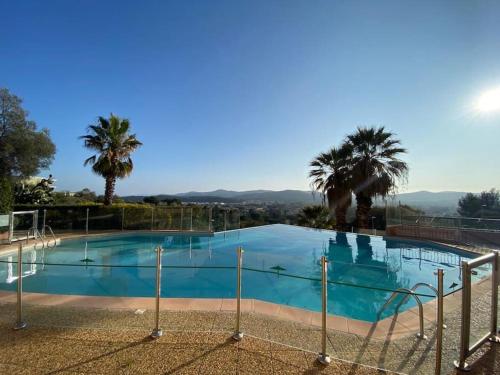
(36, 235)
(51, 233)
(408, 292)
(414, 289)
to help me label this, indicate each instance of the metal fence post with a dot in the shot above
(44, 218)
(210, 219)
(152, 217)
(225, 220)
(20, 324)
(157, 332)
(465, 330)
(182, 217)
(494, 298)
(440, 319)
(35, 222)
(123, 218)
(323, 357)
(87, 222)
(191, 219)
(238, 335)
(11, 227)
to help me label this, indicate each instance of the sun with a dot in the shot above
(489, 101)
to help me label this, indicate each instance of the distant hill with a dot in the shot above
(251, 196)
(425, 198)
(435, 202)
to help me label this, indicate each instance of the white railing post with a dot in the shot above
(44, 219)
(440, 320)
(87, 222)
(182, 217)
(152, 218)
(238, 335)
(210, 219)
(123, 218)
(465, 321)
(494, 298)
(323, 357)
(11, 227)
(191, 220)
(20, 324)
(157, 332)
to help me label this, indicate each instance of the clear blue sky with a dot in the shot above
(242, 94)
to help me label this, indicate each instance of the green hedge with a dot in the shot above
(128, 216)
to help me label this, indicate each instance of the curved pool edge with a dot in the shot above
(391, 328)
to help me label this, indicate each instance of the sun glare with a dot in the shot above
(489, 101)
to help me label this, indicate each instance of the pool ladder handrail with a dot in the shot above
(408, 292)
(52, 235)
(415, 287)
(36, 235)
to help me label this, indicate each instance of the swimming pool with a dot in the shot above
(198, 266)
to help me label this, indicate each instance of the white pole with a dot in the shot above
(238, 335)
(323, 357)
(157, 332)
(87, 222)
(20, 324)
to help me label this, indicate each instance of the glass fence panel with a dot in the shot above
(166, 218)
(201, 218)
(451, 335)
(281, 292)
(103, 218)
(481, 305)
(64, 219)
(138, 218)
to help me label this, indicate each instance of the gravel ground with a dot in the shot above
(101, 341)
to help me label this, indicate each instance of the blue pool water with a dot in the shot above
(357, 264)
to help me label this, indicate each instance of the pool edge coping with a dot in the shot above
(394, 327)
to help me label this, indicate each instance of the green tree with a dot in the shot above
(27, 192)
(172, 201)
(315, 216)
(5, 195)
(331, 175)
(85, 195)
(24, 150)
(111, 140)
(151, 200)
(485, 204)
(375, 167)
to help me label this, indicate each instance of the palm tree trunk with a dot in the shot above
(338, 208)
(364, 204)
(109, 190)
(340, 217)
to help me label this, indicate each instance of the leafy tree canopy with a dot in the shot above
(5, 196)
(315, 216)
(151, 200)
(113, 145)
(24, 150)
(485, 204)
(32, 192)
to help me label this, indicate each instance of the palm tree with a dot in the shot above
(111, 140)
(331, 175)
(315, 216)
(376, 168)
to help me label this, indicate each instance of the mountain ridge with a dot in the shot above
(420, 199)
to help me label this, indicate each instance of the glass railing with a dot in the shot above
(282, 306)
(97, 219)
